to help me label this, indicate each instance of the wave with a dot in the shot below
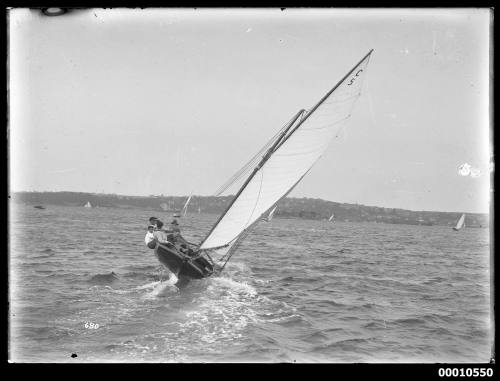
(376, 325)
(103, 278)
(409, 321)
(320, 336)
(325, 303)
(160, 289)
(299, 279)
(235, 267)
(49, 253)
(238, 287)
(141, 268)
(287, 320)
(141, 276)
(364, 306)
(422, 320)
(357, 345)
(43, 256)
(434, 280)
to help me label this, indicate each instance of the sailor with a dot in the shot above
(152, 221)
(161, 234)
(174, 226)
(149, 239)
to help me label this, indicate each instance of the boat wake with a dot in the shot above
(160, 289)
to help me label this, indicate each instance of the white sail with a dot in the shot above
(331, 217)
(460, 223)
(88, 205)
(270, 215)
(290, 160)
(184, 208)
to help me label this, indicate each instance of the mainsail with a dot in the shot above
(286, 162)
(331, 217)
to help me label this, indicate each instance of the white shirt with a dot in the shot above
(149, 237)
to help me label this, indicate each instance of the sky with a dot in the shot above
(174, 101)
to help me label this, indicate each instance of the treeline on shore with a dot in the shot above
(290, 207)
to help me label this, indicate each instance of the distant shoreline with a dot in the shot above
(290, 207)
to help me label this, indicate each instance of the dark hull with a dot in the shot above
(183, 266)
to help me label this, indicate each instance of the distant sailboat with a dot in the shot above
(270, 215)
(164, 206)
(88, 205)
(185, 207)
(271, 175)
(331, 218)
(460, 223)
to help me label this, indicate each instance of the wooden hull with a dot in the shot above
(183, 266)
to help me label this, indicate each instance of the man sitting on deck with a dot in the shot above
(178, 238)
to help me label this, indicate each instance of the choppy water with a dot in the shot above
(297, 290)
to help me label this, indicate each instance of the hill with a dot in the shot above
(290, 207)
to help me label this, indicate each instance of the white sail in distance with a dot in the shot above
(290, 160)
(460, 223)
(269, 217)
(271, 214)
(185, 207)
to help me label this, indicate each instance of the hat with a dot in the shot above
(151, 226)
(174, 222)
(153, 219)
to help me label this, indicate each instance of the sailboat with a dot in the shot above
(460, 223)
(88, 205)
(271, 175)
(331, 218)
(270, 215)
(184, 208)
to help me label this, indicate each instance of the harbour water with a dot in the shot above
(83, 287)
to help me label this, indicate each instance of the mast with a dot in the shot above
(256, 169)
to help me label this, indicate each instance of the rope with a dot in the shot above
(249, 165)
